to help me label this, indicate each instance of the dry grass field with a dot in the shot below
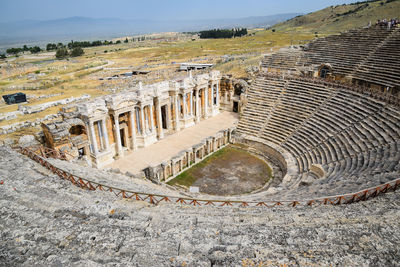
(45, 79)
(42, 75)
(336, 19)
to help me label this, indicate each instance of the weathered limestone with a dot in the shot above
(139, 117)
(362, 56)
(232, 94)
(170, 168)
(67, 135)
(46, 221)
(326, 133)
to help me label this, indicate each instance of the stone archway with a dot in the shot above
(325, 71)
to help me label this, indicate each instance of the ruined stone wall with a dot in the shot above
(172, 167)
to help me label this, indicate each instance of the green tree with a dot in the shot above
(118, 42)
(35, 49)
(62, 52)
(126, 40)
(77, 51)
(51, 46)
(14, 51)
(3, 56)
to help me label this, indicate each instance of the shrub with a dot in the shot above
(77, 51)
(62, 52)
(35, 49)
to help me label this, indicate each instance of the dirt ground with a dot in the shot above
(232, 172)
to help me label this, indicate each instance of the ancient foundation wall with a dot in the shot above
(172, 167)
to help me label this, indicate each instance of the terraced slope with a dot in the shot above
(353, 137)
(364, 55)
(46, 221)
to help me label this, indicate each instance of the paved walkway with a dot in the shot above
(171, 145)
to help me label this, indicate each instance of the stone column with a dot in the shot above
(198, 106)
(159, 120)
(143, 122)
(191, 103)
(217, 94)
(118, 134)
(168, 116)
(214, 141)
(185, 109)
(105, 133)
(176, 113)
(133, 129)
(231, 101)
(151, 118)
(164, 168)
(173, 168)
(100, 130)
(93, 138)
(212, 96)
(188, 158)
(206, 102)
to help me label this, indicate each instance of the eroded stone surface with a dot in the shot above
(48, 222)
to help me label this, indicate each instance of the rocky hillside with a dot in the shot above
(335, 19)
(46, 221)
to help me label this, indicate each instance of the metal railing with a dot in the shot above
(154, 199)
(46, 152)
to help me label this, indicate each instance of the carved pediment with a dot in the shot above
(97, 112)
(124, 104)
(122, 100)
(92, 108)
(202, 79)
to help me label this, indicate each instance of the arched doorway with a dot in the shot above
(325, 71)
(77, 130)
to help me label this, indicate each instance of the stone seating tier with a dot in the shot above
(369, 55)
(47, 221)
(347, 133)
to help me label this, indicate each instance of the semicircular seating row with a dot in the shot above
(349, 134)
(365, 54)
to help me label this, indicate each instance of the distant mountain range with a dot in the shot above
(33, 32)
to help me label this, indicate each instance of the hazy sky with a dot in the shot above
(13, 10)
